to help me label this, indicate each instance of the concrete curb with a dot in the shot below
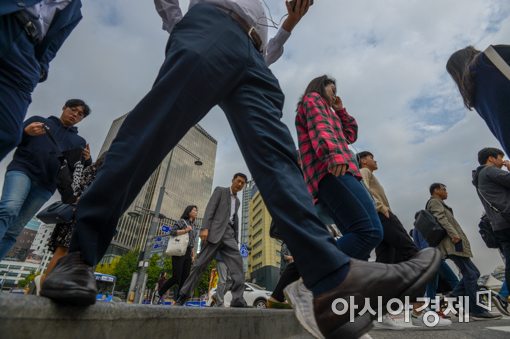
(36, 317)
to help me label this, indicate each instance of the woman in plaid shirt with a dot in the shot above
(325, 130)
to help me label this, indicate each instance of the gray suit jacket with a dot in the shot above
(217, 215)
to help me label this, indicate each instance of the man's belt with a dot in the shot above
(250, 30)
(28, 24)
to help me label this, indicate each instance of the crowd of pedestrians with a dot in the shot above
(319, 266)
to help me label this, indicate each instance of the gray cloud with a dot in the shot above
(387, 56)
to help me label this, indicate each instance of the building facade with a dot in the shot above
(244, 234)
(20, 250)
(12, 272)
(264, 257)
(190, 167)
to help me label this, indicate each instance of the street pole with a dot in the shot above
(144, 264)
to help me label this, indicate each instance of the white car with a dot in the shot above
(254, 295)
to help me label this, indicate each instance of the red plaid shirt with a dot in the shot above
(324, 136)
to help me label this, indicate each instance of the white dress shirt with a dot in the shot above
(45, 11)
(250, 10)
(232, 205)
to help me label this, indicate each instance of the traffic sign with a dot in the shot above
(156, 246)
(165, 229)
(244, 250)
(158, 239)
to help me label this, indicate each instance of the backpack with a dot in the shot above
(486, 232)
(427, 224)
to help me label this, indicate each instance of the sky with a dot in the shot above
(388, 57)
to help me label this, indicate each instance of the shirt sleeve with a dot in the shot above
(349, 125)
(499, 176)
(170, 12)
(366, 175)
(438, 210)
(274, 49)
(321, 132)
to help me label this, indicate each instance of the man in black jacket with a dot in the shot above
(493, 188)
(31, 177)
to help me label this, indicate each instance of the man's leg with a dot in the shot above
(288, 276)
(16, 193)
(232, 258)
(470, 275)
(396, 237)
(222, 270)
(19, 74)
(354, 212)
(503, 237)
(205, 256)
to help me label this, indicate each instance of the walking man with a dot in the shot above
(493, 188)
(219, 234)
(455, 246)
(218, 54)
(396, 245)
(31, 33)
(31, 177)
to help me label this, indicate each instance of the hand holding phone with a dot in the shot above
(293, 3)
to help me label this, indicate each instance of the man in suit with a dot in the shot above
(219, 233)
(31, 33)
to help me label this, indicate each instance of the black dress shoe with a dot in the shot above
(371, 280)
(71, 282)
(181, 300)
(238, 304)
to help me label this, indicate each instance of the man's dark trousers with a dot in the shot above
(210, 60)
(19, 74)
(397, 245)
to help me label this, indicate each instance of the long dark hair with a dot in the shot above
(187, 211)
(319, 85)
(458, 66)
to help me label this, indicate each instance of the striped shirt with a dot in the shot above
(324, 136)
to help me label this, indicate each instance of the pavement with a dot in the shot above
(488, 329)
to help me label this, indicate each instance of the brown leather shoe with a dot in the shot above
(71, 282)
(370, 280)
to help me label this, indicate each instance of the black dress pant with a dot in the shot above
(180, 272)
(289, 275)
(397, 245)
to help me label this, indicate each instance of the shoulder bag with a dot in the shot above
(427, 224)
(177, 245)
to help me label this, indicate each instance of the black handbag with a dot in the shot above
(429, 227)
(57, 213)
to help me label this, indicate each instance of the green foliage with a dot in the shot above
(203, 283)
(126, 265)
(108, 268)
(23, 283)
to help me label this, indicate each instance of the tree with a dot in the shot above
(124, 269)
(29, 278)
(108, 268)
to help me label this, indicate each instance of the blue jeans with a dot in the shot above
(468, 285)
(353, 211)
(446, 273)
(210, 60)
(21, 199)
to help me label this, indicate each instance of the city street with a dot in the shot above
(495, 329)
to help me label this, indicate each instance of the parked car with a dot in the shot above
(255, 296)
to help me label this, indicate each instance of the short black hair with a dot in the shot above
(242, 175)
(76, 103)
(362, 155)
(435, 186)
(485, 153)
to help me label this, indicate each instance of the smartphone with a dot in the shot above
(293, 3)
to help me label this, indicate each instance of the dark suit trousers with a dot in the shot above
(210, 60)
(229, 251)
(19, 74)
(397, 245)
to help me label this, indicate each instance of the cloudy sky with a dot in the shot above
(388, 58)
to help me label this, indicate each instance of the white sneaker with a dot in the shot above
(37, 282)
(388, 323)
(419, 322)
(301, 300)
